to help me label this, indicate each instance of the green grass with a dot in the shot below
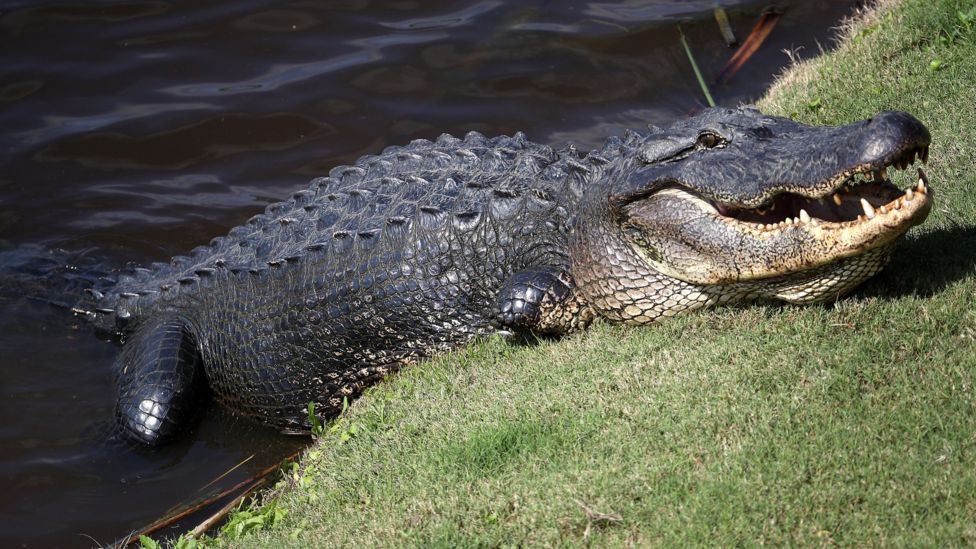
(850, 424)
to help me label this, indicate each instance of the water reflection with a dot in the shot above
(458, 18)
(277, 20)
(180, 148)
(107, 13)
(56, 127)
(628, 11)
(368, 50)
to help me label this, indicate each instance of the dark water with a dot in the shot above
(135, 131)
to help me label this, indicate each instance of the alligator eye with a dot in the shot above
(709, 140)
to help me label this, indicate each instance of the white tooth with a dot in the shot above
(804, 216)
(909, 194)
(883, 209)
(789, 220)
(868, 210)
(920, 187)
(837, 199)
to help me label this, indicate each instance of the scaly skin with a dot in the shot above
(424, 247)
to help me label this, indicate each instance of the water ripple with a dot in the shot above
(639, 10)
(447, 20)
(369, 50)
(60, 126)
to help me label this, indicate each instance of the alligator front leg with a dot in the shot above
(541, 300)
(161, 381)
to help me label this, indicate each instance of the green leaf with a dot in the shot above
(317, 428)
(147, 542)
(967, 18)
(186, 543)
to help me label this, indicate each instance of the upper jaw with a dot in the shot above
(798, 160)
(852, 196)
(875, 170)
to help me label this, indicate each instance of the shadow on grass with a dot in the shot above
(927, 264)
(528, 339)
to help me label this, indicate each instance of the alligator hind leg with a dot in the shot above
(541, 300)
(160, 381)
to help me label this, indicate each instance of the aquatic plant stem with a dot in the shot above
(220, 514)
(694, 66)
(171, 519)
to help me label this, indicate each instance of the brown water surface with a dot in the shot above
(134, 131)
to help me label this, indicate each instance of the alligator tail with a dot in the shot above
(72, 281)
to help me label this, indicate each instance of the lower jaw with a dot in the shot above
(824, 283)
(672, 296)
(829, 282)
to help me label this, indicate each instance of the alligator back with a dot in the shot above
(375, 265)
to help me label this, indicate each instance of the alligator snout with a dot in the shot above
(889, 135)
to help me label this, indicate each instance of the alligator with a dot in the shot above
(420, 249)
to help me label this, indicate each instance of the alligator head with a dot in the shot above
(732, 205)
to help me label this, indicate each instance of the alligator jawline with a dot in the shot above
(852, 197)
(854, 203)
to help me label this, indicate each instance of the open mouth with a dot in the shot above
(699, 240)
(860, 196)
